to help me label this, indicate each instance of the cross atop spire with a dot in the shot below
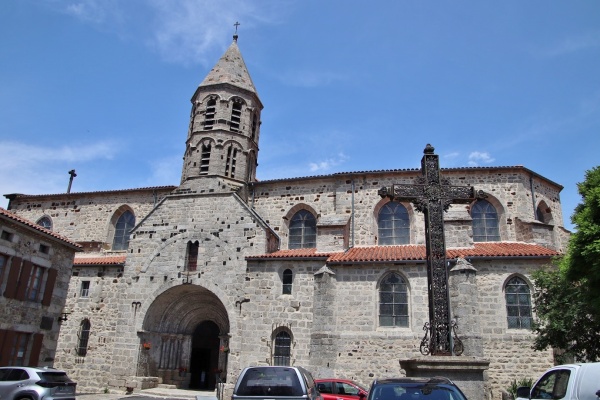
(235, 35)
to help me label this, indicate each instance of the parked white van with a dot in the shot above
(569, 382)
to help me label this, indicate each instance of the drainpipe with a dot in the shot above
(352, 214)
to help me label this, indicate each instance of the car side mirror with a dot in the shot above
(363, 396)
(523, 392)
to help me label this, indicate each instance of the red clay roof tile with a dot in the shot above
(415, 253)
(109, 260)
(30, 224)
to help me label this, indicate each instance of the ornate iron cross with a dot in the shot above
(432, 195)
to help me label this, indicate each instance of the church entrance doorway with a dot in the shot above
(204, 363)
(184, 337)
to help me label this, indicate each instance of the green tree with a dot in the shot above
(564, 320)
(582, 262)
(567, 299)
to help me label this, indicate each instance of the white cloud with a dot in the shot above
(89, 11)
(573, 44)
(181, 31)
(477, 158)
(35, 169)
(326, 165)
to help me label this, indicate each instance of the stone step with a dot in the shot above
(166, 386)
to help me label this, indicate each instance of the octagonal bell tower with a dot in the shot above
(224, 130)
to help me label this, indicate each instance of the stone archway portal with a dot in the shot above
(187, 327)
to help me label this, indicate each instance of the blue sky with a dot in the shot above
(104, 86)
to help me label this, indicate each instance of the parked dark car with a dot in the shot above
(35, 384)
(333, 389)
(438, 388)
(271, 382)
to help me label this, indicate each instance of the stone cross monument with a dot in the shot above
(432, 195)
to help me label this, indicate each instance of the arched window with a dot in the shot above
(539, 214)
(282, 348)
(83, 337)
(518, 304)
(288, 277)
(393, 301)
(209, 115)
(303, 230)
(192, 256)
(394, 225)
(543, 213)
(45, 222)
(231, 161)
(236, 116)
(205, 159)
(485, 222)
(124, 225)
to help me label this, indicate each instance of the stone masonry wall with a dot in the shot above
(509, 191)
(87, 217)
(28, 316)
(107, 290)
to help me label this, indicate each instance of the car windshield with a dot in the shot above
(54, 377)
(270, 382)
(415, 391)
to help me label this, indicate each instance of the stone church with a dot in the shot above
(191, 283)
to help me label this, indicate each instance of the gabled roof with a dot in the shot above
(414, 253)
(81, 194)
(31, 225)
(411, 171)
(231, 69)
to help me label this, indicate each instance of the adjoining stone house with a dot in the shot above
(191, 283)
(35, 269)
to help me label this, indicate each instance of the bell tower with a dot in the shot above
(224, 130)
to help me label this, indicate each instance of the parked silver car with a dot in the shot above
(273, 382)
(27, 383)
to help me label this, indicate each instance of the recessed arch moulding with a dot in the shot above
(169, 324)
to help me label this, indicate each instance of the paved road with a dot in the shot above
(151, 394)
(149, 398)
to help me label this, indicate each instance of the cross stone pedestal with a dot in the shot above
(468, 373)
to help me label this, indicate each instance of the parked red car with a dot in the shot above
(336, 389)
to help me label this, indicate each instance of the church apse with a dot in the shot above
(184, 333)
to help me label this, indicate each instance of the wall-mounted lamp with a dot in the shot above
(63, 317)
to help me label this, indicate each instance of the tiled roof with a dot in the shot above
(141, 189)
(110, 260)
(412, 171)
(15, 218)
(416, 253)
(291, 254)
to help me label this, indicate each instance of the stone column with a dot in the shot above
(464, 306)
(323, 339)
